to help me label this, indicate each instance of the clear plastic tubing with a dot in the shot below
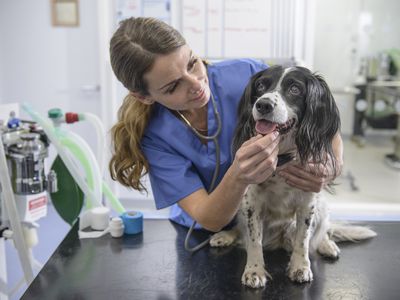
(80, 149)
(101, 134)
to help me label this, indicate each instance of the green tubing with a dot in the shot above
(113, 200)
(80, 155)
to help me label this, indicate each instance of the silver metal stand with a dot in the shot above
(15, 223)
(393, 160)
(391, 88)
(3, 271)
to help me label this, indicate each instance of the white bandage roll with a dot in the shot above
(100, 218)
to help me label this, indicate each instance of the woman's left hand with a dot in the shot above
(309, 178)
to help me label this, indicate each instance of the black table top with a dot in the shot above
(155, 265)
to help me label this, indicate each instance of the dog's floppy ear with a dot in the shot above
(245, 127)
(320, 123)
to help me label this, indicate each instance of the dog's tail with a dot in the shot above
(340, 232)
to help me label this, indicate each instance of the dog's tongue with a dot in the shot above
(264, 127)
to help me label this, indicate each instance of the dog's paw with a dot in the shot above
(302, 274)
(255, 277)
(222, 239)
(329, 249)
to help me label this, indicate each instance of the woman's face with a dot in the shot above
(178, 81)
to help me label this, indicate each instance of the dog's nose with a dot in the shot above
(264, 107)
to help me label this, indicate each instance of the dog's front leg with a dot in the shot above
(254, 274)
(299, 266)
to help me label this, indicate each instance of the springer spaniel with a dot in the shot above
(299, 105)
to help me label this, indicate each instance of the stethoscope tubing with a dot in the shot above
(213, 138)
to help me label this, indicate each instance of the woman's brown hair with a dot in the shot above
(133, 50)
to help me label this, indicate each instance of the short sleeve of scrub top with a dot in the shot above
(179, 163)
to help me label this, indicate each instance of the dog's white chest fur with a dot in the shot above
(274, 198)
(276, 205)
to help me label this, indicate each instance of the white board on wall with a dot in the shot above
(244, 28)
(194, 25)
(247, 28)
(215, 30)
(160, 9)
(270, 29)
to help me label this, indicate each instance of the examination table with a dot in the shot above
(155, 265)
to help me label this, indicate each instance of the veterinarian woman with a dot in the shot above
(176, 102)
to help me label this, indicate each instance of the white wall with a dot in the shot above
(44, 65)
(33, 54)
(343, 35)
(1, 63)
(335, 40)
(384, 32)
(335, 51)
(340, 40)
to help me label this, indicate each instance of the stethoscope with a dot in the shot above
(207, 138)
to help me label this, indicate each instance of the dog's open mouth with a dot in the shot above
(264, 127)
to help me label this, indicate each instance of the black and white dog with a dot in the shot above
(299, 105)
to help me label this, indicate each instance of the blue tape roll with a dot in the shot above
(133, 222)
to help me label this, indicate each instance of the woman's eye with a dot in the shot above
(192, 63)
(172, 88)
(190, 67)
(294, 90)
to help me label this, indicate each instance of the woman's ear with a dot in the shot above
(148, 100)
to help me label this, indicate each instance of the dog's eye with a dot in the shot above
(260, 88)
(295, 90)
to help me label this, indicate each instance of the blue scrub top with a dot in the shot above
(180, 163)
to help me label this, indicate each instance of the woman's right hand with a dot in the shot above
(256, 160)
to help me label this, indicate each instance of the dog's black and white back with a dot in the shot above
(299, 105)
